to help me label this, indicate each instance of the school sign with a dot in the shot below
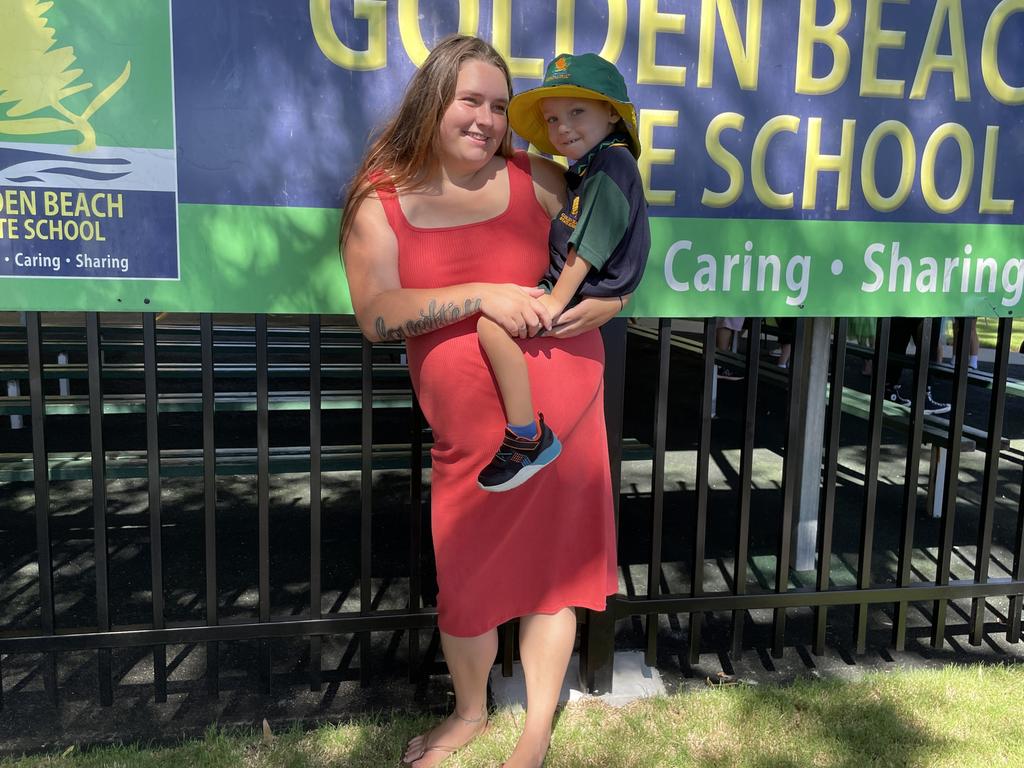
(801, 157)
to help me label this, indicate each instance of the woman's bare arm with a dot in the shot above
(386, 311)
(548, 184)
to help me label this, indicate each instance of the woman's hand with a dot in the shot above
(590, 313)
(516, 309)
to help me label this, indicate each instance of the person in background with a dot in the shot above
(901, 331)
(726, 328)
(861, 330)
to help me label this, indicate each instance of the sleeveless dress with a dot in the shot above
(550, 543)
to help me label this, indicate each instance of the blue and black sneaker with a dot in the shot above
(519, 459)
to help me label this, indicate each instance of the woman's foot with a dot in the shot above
(443, 740)
(530, 752)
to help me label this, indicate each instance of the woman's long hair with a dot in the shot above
(405, 154)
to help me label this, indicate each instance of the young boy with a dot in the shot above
(598, 242)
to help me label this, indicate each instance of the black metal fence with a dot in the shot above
(733, 498)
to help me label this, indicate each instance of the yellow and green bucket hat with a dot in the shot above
(586, 76)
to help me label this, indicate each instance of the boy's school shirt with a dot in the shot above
(605, 220)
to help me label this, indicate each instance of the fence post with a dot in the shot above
(597, 642)
(597, 652)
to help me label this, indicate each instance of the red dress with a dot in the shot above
(551, 542)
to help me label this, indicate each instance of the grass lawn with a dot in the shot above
(960, 717)
(989, 326)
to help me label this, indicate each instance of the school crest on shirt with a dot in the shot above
(570, 217)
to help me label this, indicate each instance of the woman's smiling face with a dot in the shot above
(475, 123)
(576, 126)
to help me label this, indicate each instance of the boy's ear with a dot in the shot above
(613, 115)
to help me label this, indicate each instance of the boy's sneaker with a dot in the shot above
(519, 459)
(933, 408)
(894, 394)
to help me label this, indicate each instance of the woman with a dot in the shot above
(444, 223)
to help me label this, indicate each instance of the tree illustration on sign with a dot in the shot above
(35, 76)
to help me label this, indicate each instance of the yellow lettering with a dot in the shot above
(9, 229)
(758, 175)
(651, 156)
(618, 15)
(932, 197)
(653, 22)
(816, 163)
(990, 204)
(875, 39)
(724, 159)
(1001, 91)
(745, 56)
(376, 54)
(99, 205)
(869, 162)
(948, 13)
(18, 202)
(115, 206)
(565, 26)
(809, 35)
(412, 35)
(501, 39)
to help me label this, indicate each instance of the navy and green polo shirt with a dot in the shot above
(605, 220)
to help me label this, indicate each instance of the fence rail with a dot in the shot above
(725, 493)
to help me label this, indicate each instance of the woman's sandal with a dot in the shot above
(449, 751)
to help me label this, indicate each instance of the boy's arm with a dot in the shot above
(573, 274)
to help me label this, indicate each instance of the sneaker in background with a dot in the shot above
(894, 394)
(932, 407)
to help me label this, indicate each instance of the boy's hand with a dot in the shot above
(590, 313)
(515, 308)
(553, 306)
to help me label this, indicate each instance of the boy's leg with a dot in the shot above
(528, 445)
(509, 366)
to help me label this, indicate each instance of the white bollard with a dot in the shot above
(714, 391)
(65, 383)
(13, 390)
(937, 479)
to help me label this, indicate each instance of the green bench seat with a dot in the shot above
(188, 462)
(195, 370)
(225, 402)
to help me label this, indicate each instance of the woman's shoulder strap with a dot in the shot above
(520, 161)
(520, 176)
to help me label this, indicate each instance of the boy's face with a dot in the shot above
(575, 126)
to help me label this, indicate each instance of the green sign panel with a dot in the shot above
(801, 157)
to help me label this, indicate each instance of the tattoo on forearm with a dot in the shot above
(430, 319)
